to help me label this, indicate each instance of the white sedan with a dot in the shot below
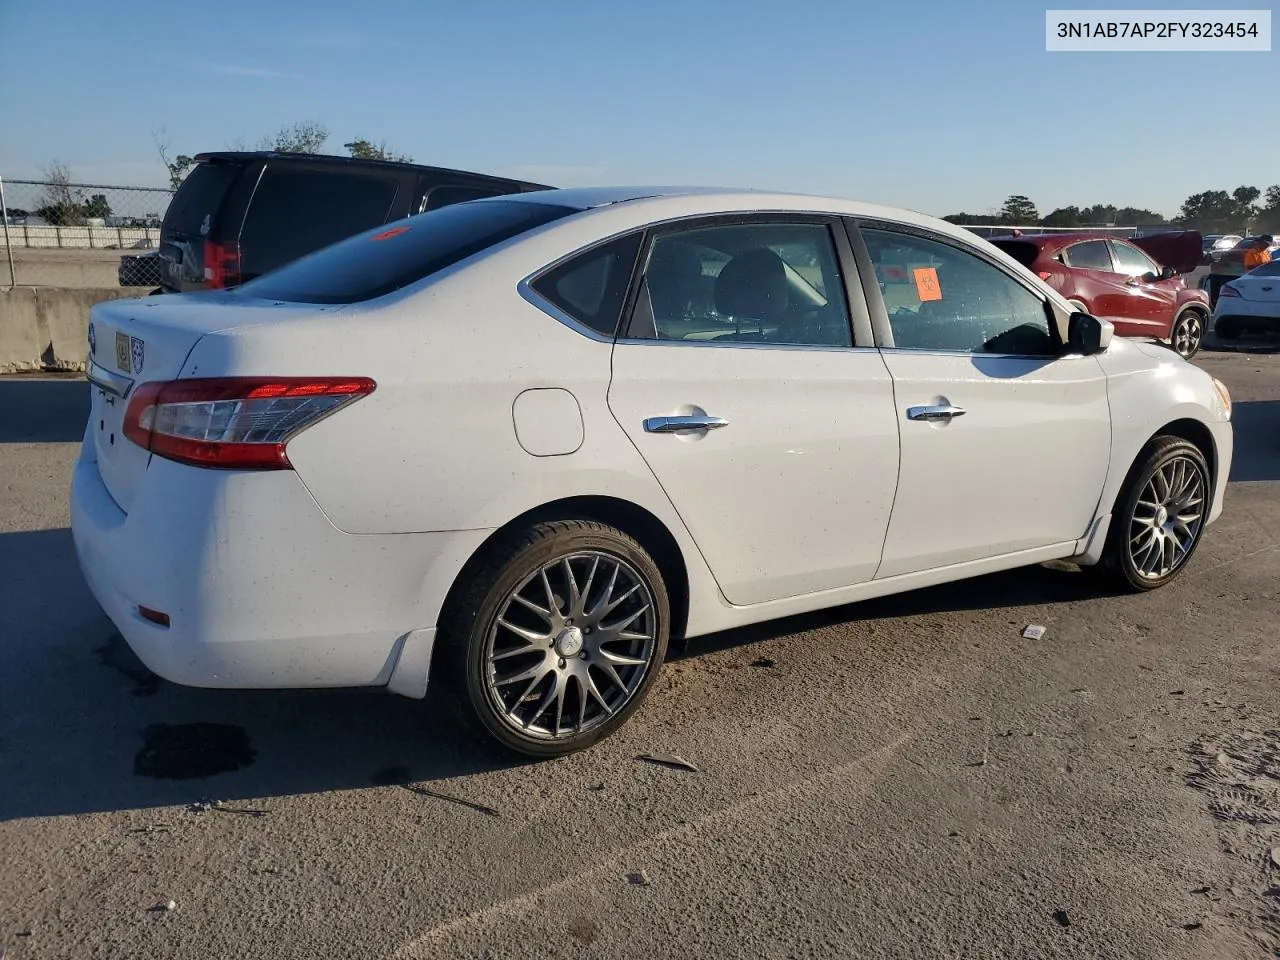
(1250, 302)
(523, 442)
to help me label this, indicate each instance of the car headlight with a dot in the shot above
(1224, 395)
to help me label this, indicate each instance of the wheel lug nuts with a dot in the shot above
(582, 655)
(562, 663)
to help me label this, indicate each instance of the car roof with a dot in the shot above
(1054, 241)
(244, 156)
(660, 202)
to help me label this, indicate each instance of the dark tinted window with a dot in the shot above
(942, 298)
(389, 257)
(591, 286)
(439, 197)
(1025, 253)
(1090, 255)
(296, 211)
(199, 196)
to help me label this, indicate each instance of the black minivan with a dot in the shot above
(239, 214)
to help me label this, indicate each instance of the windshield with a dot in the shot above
(391, 256)
(1271, 269)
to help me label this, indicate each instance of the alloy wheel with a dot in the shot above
(1188, 333)
(1167, 518)
(571, 645)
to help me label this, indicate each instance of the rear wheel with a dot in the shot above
(558, 636)
(1159, 516)
(1187, 334)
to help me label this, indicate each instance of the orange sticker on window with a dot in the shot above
(927, 287)
(388, 234)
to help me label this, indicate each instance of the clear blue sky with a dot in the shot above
(936, 105)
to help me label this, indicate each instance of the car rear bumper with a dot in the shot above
(260, 588)
(1238, 308)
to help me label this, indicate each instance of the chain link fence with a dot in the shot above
(63, 234)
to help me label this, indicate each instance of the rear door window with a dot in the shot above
(1090, 255)
(200, 196)
(295, 211)
(379, 261)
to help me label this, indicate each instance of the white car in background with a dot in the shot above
(1250, 302)
(528, 440)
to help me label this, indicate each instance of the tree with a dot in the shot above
(1269, 216)
(97, 206)
(1062, 217)
(1137, 216)
(63, 205)
(306, 136)
(1213, 211)
(1019, 209)
(1245, 199)
(363, 149)
(177, 166)
(1099, 215)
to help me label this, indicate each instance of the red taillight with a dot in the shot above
(234, 422)
(1045, 274)
(221, 264)
(1228, 291)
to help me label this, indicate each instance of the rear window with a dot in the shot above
(199, 196)
(1090, 255)
(1025, 253)
(296, 211)
(1270, 269)
(389, 257)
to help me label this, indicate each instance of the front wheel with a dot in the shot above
(1187, 334)
(558, 636)
(1159, 516)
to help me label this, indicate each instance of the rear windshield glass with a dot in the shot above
(199, 196)
(393, 255)
(1270, 269)
(1025, 253)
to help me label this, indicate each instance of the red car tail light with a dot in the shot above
(238, 423)
(1228, 291)
(221, 264)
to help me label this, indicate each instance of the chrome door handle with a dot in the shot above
(934, 414)
(677, 424)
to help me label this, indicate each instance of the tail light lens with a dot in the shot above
(238, 423)
(1228, 291)
(221, 264)
(1044, 274)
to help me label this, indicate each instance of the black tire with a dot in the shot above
(1117, 566)
(1228, 328)
(1186, 337)
(470, 625)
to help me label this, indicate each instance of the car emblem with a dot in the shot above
(1266, 289)
(93, 340)
(138, 354)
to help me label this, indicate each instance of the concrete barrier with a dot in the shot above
(47, 328)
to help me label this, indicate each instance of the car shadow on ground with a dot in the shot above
(89, 729)
(1257, 440)
(44, 409)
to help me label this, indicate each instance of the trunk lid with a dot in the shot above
(1259, 286)
(138, 341)
(1183, 249)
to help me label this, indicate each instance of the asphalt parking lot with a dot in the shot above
(907, 777)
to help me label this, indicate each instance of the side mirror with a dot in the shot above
(1087, 334)
(1168, 273)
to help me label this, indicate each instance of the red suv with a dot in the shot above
(1118, 280)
